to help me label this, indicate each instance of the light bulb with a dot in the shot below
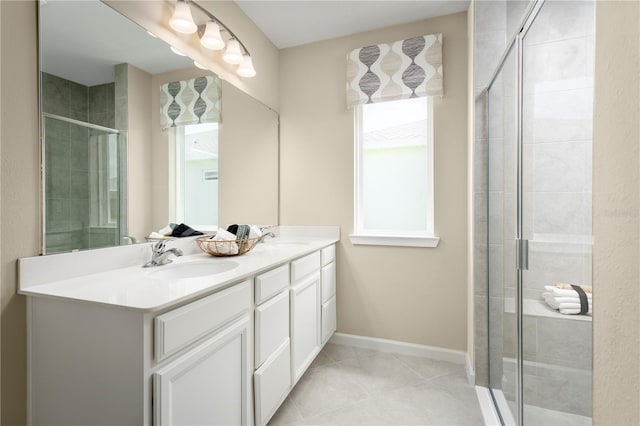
(199, 65)
(211, 39)
(182, 21)
(246, 67)
(232, 54)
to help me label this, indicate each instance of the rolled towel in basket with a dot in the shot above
(226, 244)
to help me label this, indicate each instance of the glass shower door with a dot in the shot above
(501, 232)
(557, 100)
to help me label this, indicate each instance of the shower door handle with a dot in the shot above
(522, 254)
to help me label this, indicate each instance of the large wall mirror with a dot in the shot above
(112, 173)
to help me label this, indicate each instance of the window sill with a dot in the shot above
(394, 240)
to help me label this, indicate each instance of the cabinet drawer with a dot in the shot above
(328, 281)
(328, 255)
(272, 382)
(184, 325)
(328, 319)
(271, 283)
(272, 326)
(304, 266)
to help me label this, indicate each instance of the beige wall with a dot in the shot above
(616, 208)
(139, 150)
(154, 16)
(19, 191)
(409, 294)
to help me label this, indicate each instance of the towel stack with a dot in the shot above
(236, 233)
(569, 299)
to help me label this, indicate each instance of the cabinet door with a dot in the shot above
(272, 327)
(328, 319)
(209, 385)
(272, 382)
(305, 323)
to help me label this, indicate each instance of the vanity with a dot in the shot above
(202, 340)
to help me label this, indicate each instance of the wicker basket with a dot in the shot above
(224, 247)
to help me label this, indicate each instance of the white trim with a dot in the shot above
(471, 374)
(489, 413)
(394, 240)
(404, 348)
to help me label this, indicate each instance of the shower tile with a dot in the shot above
(561, 167)
(480, 269)
(481, 116)
(496, 278)
(55, 94)
(562, 389)
(480, 158)
(57, 215)
(561, 65)
(58, 241)
(561, 215)
(565, 343)
(558, 116)
(495, 165)
(480, 340)
(562, 20)
(79, 158)
(489, 47)
(530, 340)
(495, 217)
(78, 101)
(552, 263)
(490, 16)
(515, 14)
(79, 213)
(79, 185)
(56, 129)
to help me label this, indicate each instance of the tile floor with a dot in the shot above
(353, 386)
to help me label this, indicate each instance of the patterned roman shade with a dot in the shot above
(190, 102)
(401, 70)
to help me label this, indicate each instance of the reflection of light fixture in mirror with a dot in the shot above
(176, 51)
(211, 39)
(182, 21)
(246, 67)
(232, 54)
(199, 65)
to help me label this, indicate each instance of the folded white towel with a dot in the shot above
(155, 235)
(572, 311)
(570, 307)
(165, 231)
(561, 292)
(255, 232)
(229, 246)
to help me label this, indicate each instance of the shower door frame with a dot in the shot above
(516, 42)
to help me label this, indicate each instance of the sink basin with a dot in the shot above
(192, 269)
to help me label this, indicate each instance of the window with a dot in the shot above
(394, 174)
(195, 195)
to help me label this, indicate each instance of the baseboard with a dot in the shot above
(489, 413)
(404, 348)
(471, 373)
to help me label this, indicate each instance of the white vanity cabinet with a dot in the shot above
(228, 356)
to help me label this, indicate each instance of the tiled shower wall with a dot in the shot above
(67, 158)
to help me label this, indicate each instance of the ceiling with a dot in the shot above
(293, 23)
(83, 40)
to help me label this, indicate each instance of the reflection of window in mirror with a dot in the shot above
(195, 159)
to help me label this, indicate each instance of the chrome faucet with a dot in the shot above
(159, 254)
(268, 234)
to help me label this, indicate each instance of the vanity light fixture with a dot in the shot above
(232, 54)
(182, 20)
(212, 36)
(211, 39)
(246, 67)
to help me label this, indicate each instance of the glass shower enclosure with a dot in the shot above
(539, 121)
(84, 170)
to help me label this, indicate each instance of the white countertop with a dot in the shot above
(134, 287)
